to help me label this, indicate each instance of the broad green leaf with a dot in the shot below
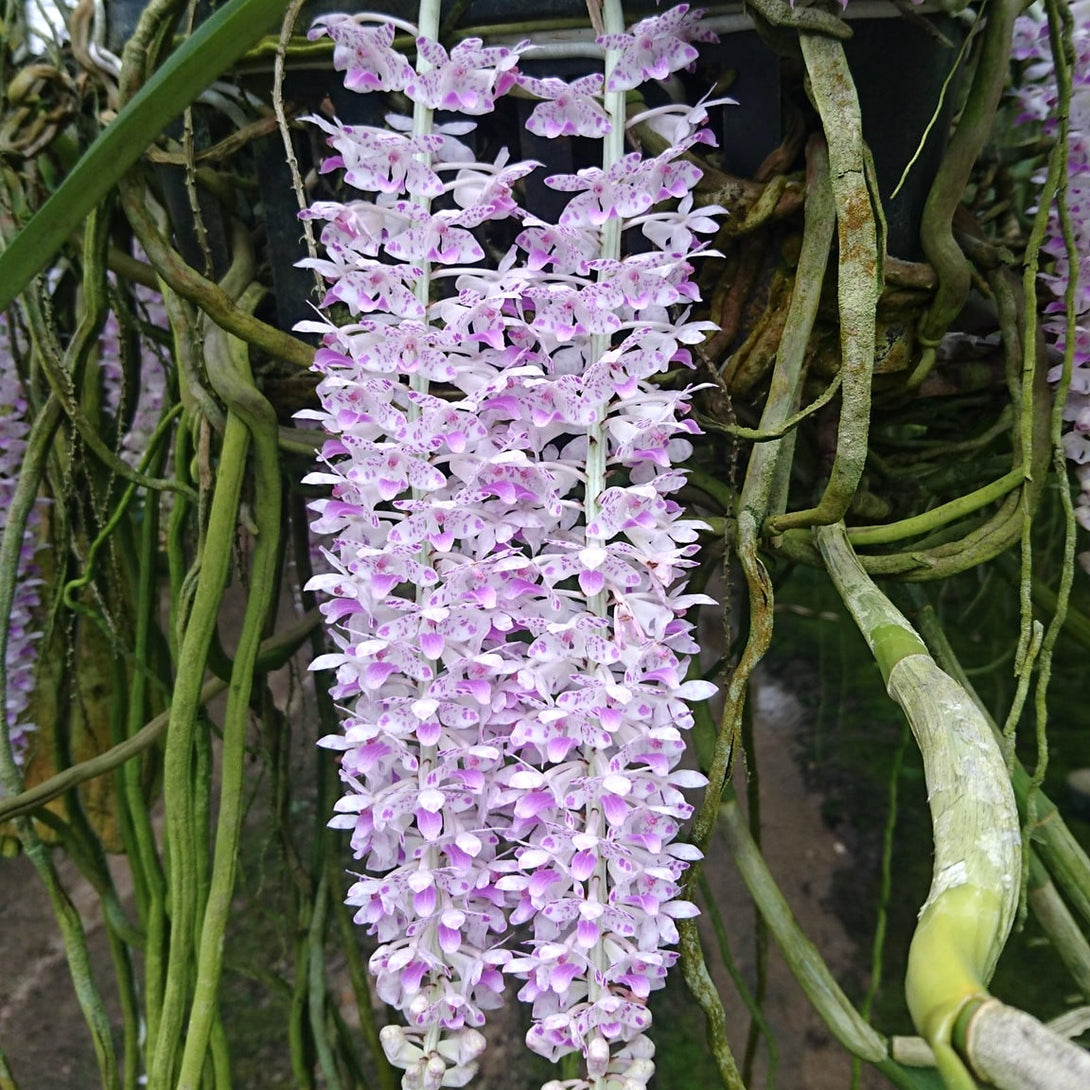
(212, 48)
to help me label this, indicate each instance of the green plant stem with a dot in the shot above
(276, 735)
(1024, 670)
(275, 651)
(65, 373)
(992, 537)
(77, 954)
(1059, 925)
(1031, 641)
(948, 187)
(302, 1055)
(937, 113)
(7, 1079)
(884, 888)
(300, 1036)
(1060, 33)
(760, 481)
(1076, 623)
(783, 394)
(118, 512)
(937, 517)
(186, 347)
(143, 853)
(249, 411)
(125, 976)
(802, 957)
(316, 988)
(1063, 856)
(85, 850)
(759, 637)
(609, 250)
(60, 381)
(859, 279)
(711, 909)
(760, 930)
(206, 294)
(287, 29)
(75, 943)
(219, 1057)
(814, 20)
(759, 435)
(181, 818)
(180, 513)
(39, 443)
(1061, 852)
(700, 984)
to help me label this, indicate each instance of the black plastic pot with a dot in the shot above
(900, 104)
(894, 121)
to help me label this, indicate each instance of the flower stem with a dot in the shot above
(609, 250)
(423, 121)
(250, 412)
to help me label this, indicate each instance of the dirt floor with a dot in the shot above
(47, 1044)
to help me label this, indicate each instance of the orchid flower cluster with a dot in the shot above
(1040, 103)
(20, 655)
(506, 569)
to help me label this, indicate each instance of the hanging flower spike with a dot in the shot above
(598, 875)
(510, 634)
(418, 670)
(21, 654)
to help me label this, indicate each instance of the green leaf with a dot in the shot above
(212, 48)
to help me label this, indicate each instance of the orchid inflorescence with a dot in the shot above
(20, 653)
(506, 569)
(1039, 97)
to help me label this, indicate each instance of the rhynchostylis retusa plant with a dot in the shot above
(504, 392)
(507, 564)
